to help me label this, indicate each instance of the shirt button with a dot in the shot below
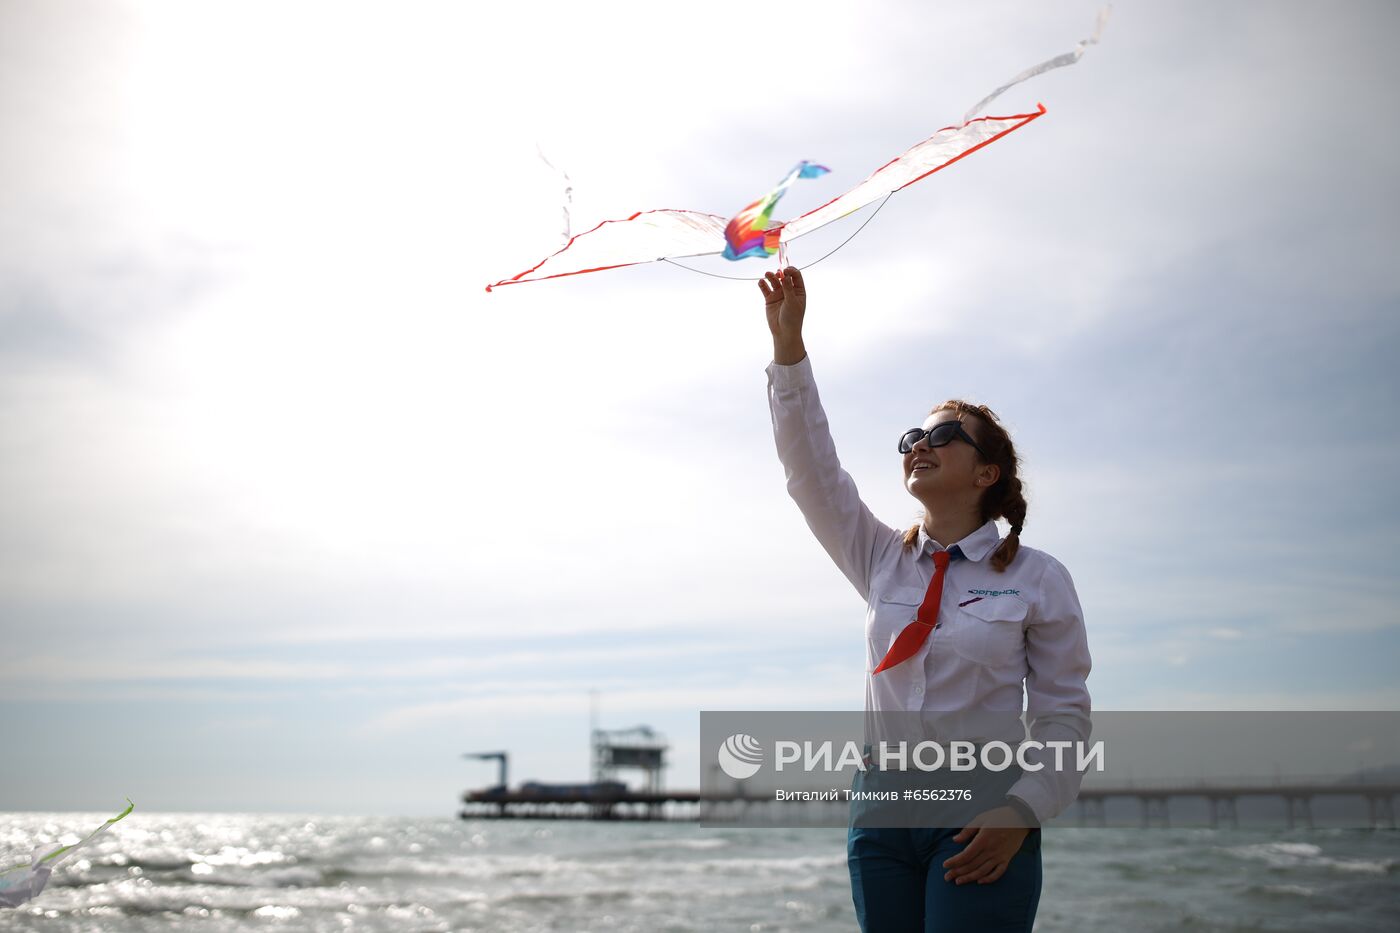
(918, 689)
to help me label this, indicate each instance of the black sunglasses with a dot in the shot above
(940, 435)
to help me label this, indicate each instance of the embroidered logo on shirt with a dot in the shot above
(995, 592)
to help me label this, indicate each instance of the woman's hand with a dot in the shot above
(995, 841)
(785, 301)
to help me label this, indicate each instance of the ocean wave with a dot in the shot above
(793, 863)
(476, 867)
(595, 896)
(291, 876)
(1274, 890)
(681, 844)
(1307, 855)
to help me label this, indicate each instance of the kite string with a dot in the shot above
(744, 278)
(857, 230)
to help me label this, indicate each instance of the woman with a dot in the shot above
(958, 619)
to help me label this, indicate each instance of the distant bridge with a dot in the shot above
(583, 802)
(616, 802)
(1223, 794)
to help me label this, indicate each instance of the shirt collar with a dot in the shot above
(974, 547)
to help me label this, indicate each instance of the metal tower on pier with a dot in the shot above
(640, 747)
(501, 757)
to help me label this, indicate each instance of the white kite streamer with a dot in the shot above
(1059, 61)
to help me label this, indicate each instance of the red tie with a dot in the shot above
(917, 632)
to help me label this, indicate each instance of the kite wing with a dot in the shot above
(646, 236)
(24, 882)
(939, 151)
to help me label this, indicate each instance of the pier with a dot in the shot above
(613, 801)
(639, 748)
(587, 803)
(1222, 798)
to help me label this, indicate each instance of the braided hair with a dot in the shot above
(1005, 498)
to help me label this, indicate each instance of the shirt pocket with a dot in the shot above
(990, 631)
(890, 611)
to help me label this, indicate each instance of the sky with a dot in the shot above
(293, 513)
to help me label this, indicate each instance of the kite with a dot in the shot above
(657, 235)
(24, 882)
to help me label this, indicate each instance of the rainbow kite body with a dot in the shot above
(748, 234)
(24, 882)
(651, 236)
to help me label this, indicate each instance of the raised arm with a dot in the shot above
(825, 493)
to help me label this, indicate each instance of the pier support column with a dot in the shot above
(1381, 807)
(1151, 806)
(1225, 806)
(1301, 805)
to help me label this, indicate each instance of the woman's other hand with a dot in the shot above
(785, 302)
(996, 838)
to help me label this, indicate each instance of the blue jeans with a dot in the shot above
(897, 875)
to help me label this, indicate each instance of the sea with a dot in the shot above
(212, 872)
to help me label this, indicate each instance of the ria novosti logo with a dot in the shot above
(740, 756)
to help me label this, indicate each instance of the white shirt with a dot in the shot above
(995, 630)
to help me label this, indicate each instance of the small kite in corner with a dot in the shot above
(24, 882)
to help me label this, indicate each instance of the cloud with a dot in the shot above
(1378, 698)
(256, 413)
(825, 688)
(139, 664)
